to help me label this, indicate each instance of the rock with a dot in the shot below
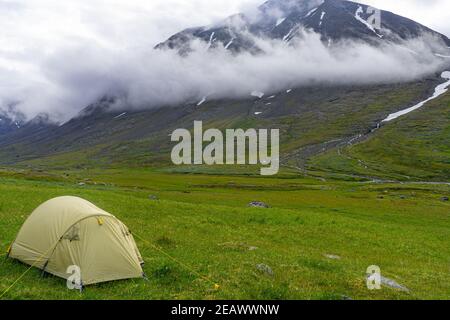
(344, 297)
(403, 197)
(258, 204)
(332, 257)
(380, 197)
(238, 246)
(445, 199)
(82, 184)
(264, 268)
(153, 197)
(391, 283)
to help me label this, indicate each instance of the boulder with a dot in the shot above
(258, 204)
(264, 268)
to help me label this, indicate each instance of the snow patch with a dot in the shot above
(440, 90)
(409, 50)
(257, 94)
(211, 39)
(280, 21)
(288, 90)
(321, 18)
(201, 101)
(311, 12)
(229, 43)
(441, 55)
(289, 34)
(258, 113)
(120, 115)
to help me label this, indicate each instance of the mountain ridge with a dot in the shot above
(334, 20)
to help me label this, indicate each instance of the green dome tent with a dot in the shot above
(69, 231)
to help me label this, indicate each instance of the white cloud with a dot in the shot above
(58, 56)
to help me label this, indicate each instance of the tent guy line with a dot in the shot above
(216, 285)
(24, 273)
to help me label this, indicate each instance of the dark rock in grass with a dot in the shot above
(403, 197)
(258, 204)
(153, 197)
(380, 197)
(264, 268)
(445, 199)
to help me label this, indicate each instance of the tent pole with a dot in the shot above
(43, 269)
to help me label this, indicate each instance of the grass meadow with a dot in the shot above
(201, 232)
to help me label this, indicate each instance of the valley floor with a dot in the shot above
(315, 242)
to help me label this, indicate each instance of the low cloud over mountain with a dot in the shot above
(63, 79)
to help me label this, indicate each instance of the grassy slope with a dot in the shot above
(305, 117)
(415, 146)
(205, 223)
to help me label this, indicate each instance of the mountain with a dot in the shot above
(284, 19)
(7, 124)
(10, 120)
(311, 120)
(316, 122)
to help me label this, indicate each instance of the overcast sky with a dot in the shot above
(40, 39)
(30, 23)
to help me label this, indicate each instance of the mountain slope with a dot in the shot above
(311, 120)
(413, 147)
(283, 19)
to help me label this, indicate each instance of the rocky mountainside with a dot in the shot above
(284, 19)
(10, 120)
(311, 119)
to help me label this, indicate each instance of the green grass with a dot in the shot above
(414, 147)
(203, 222)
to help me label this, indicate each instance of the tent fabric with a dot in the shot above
(68, 231)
